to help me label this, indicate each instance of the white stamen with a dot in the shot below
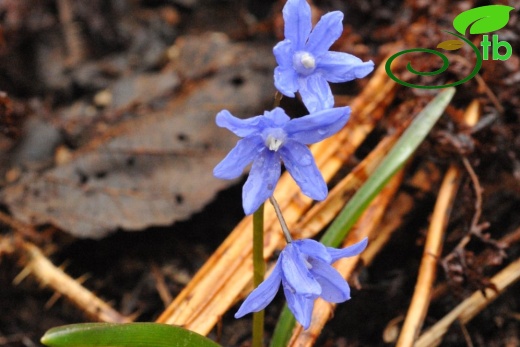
(308, 60)
(273, 143)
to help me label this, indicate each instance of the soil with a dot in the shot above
(54, 53)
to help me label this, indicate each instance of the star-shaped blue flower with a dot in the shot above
(305, 271)
(305, 63)
(270, 139)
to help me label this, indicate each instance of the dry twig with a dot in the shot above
(38, 266)
(470, 307)
(432, 252)
(433, 247)
(71, 32)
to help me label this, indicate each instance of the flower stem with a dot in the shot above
(258, 272)
(258, 255)
(277, 98)
(278, 211)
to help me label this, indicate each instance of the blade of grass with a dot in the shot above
(400, 153)
(284, 328)
(396, 158)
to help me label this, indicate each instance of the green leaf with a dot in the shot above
(394, 160)
(284, 327)
(450, 45)
(123, 335)
(485, 19)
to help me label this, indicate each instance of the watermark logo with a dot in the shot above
(479, 20)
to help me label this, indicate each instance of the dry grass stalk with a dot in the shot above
(71, 31)
(433, 247)
(38, 266)
(508, 240)
(220, 281)
(431, 254)
(471, 306)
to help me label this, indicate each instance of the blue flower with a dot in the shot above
(270, 139)
(305, 272)
(305, 63)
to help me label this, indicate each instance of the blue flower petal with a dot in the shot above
(313, 249)
(283, 52)
(297, 21)
(334, 288)
(262, 179)
(299, 162)
(339, 67)
(240, 127)
(325, 33)
(277, 118)
(286, 80)
(318, 126)
(239, 157)
(315, 93)
(263, 294)
(349, 251)
(301, 306)
(296, 273)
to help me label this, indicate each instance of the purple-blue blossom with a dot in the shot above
(305, 63)
(274, 137)
(305, 272)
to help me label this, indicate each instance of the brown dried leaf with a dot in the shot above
(149, 170)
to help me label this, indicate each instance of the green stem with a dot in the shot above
(258, 259)
(258, 272)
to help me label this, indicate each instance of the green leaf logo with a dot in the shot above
(450, 45)
(482, 19)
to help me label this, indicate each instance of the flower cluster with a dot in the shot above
(305, 65)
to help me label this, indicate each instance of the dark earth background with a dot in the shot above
(54, 54)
